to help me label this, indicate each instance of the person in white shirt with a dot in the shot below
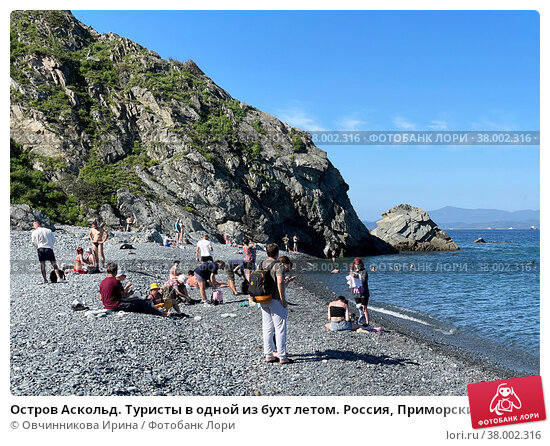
(204, 248)
(43, 240)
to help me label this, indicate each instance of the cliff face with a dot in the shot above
(120, 131)
(409, 228)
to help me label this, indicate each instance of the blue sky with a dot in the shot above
(376, 70)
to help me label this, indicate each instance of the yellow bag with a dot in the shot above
(261, 299)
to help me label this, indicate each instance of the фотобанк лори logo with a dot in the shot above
(510, 401)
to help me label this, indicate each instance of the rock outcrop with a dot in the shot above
(22, 217)
(409, 228)
(122, 132)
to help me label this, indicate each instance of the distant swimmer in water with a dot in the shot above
(412, 266)
(373, 268)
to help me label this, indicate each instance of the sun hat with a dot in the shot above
(154, 286)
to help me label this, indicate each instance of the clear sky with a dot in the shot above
(376, 70)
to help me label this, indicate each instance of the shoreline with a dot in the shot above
(482, 355)
(57, 351)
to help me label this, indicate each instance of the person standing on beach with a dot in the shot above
(249, 257)
(275, 312)
(129, 222)
(98, 237)
(295, 241)
(178, 231)
(204, 248)
(285, 241)
(361, 293)
(43, 240)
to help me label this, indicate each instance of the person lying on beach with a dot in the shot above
(111, 293)
(338, 315)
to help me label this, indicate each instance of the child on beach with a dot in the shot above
(160, 302)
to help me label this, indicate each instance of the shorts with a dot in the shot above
(362, 300)
(206, 258)
(340, 325)
(199, 279)
(230, 274)
(46, 254)
(79, 271)
(251, 266)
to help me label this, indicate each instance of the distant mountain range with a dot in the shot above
(451, 217)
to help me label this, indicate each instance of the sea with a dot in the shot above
(484, 298)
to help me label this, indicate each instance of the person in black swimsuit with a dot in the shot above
(338, 315)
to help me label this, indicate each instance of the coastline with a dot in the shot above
(57, 351)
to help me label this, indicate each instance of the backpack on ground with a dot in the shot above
(262, 285)
(53, 275)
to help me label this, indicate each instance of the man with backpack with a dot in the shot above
(269, 280)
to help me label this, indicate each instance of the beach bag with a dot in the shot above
(262, 285)
(53, 276)
(217, 297)
(353, 282)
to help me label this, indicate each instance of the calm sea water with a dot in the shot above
(491, 290)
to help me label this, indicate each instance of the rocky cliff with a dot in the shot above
(409, 228)
(102, 127)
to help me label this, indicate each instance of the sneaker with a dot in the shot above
(42, 283)
(61, 281)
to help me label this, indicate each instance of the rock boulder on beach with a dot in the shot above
(409, 228)
(22, 217)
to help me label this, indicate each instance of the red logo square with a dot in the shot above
(509, 401)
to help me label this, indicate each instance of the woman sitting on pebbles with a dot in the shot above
(78, 268)
(338, 315)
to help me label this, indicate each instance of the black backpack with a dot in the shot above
(262, 285)
(53, 275)
(244, 286)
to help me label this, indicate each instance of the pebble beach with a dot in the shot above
(217, 350)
